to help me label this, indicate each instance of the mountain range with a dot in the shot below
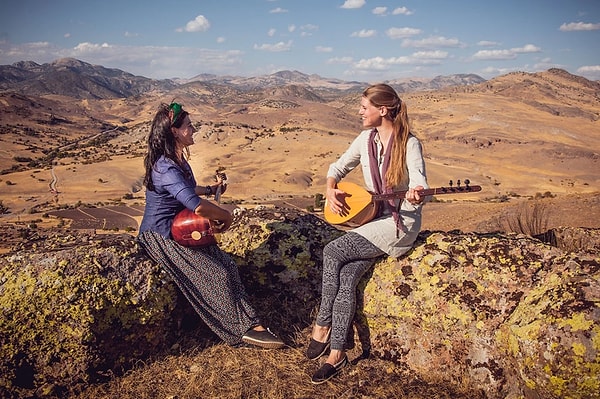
(78, 79)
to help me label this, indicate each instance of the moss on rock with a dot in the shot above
(507, 315)
(73, 310)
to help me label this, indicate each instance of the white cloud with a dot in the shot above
(575, 26)
(432, 42)
(528, 48)
(354, 3)
(589, 68)
(308, 29)
(35, 51)
(494, 71)
(591, 72)
(198, 24)
(418, 58)
(495, 55)
(380, 11)
(487, 43)
(323, 49)
(424, 56)
(402, 11)
(278, 10)
(401, 33)
(291, 28)
(220, 39)
(67, 35)
(271, 32)
(150, 61)
(506, 54)
(339, 60)
(545, 64)
(274, 48)
(85, 47)
(364, 33)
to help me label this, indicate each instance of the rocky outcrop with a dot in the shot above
(75, 305)
(508, 315)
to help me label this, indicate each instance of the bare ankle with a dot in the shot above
(321, 333)
(336, 356)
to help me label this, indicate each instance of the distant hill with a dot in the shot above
(77, 79)
(554, 91)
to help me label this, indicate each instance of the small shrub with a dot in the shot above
(530, 219)
(319, 200)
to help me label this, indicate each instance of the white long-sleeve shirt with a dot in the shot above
(382, 231)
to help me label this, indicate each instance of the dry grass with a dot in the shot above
(219, 371)
(530, 219)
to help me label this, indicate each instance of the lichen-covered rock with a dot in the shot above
(552, 339)
(280, 249)
(506, 314)
(279, 252)
(74, 305)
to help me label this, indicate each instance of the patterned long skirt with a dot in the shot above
(210, 280)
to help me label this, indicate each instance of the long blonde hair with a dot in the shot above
(383, 95)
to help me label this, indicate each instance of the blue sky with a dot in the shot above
(366, 40)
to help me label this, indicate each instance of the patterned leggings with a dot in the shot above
(210, 280)
(345, 261)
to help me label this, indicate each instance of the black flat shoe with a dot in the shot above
(264, 339)
(327, 371)
(317, 349)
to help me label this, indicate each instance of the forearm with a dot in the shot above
(331, 183)
(208, 190)
(212, 211)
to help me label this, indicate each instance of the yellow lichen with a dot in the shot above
(578, 348)
(577, 322)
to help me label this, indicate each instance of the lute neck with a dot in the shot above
(427, 192)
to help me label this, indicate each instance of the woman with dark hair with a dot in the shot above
(207, 276)
(391, 159)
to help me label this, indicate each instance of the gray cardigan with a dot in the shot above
(382, 231)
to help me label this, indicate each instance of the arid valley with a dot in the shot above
(520, 136)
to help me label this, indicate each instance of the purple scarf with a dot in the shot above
(379, 178)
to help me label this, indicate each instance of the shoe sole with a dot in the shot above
(263, 344)
(325, 380)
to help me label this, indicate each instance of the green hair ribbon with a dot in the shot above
(175, 110)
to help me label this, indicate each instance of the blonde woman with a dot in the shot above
(391, 160)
